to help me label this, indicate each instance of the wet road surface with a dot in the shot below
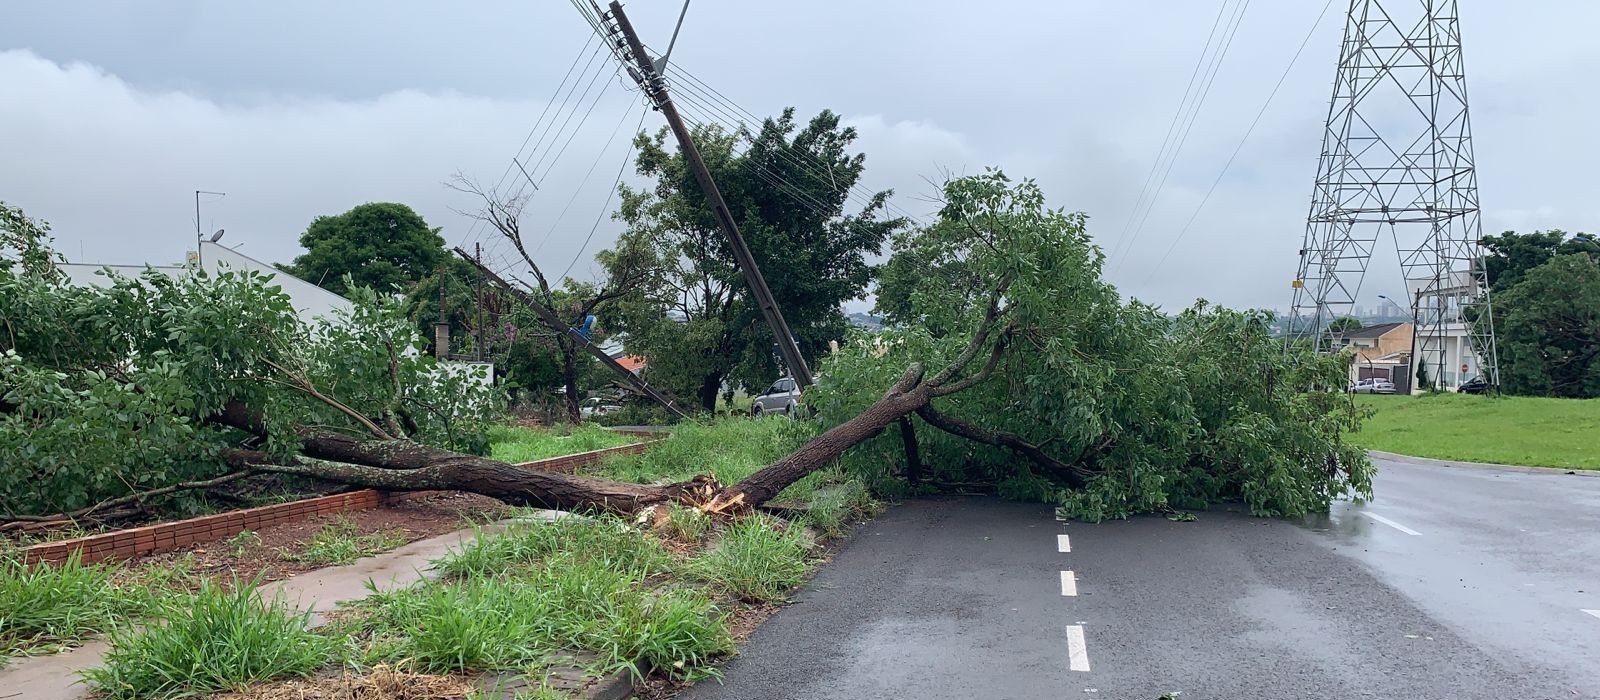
(1454, 583)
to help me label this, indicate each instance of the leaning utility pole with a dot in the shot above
(1397, 162)
(645, 72)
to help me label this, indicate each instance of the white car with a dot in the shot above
(596, 406)
(782, 397)
(1372, 386)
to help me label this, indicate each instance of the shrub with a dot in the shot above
(223, 639)
(758, 559)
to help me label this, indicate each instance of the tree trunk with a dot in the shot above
(710, 386)
(1072, 474)
(908, 438)
(511, 484)
(569, 380)
(762, 486)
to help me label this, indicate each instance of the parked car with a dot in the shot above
(596, 406)
(1475, 385)
(1372, 386)
(782, 397)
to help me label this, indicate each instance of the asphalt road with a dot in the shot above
(1454, 583)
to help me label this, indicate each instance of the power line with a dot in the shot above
(627, 156)
(1188, 110)
(1242, 140)
(579, 190)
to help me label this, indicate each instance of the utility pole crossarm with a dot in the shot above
(644, 72)
(555, 323)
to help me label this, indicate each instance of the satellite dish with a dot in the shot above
(217, 236)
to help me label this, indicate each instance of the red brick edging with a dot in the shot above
(167, 537)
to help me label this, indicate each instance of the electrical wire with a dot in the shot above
(626, 157)
(1188, 110)
(1184, 137)
(579, 189)
(1264, 105)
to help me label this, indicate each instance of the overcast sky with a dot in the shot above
(115, 112)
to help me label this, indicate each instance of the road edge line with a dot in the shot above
(1483, 466)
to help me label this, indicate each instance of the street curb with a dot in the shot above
(1485, 466)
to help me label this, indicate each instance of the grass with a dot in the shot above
(221, 639)
(608, 540)
(44, 608)
(1520, 430)
(339, 543)
(513, 601)
(757, 560)
(516, 444)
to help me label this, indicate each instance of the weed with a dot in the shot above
(686, 525)
(239, 544)
(831, 507)
(605, 539)
(340, 542)
(758, 559)
(222, 639)
(45, 607)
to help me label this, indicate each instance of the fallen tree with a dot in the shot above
(1012, 342)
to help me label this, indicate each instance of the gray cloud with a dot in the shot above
(116, 112)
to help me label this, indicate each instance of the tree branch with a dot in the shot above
(135, 498)
(1072, 474)
(305, 386)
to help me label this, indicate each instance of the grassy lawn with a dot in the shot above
(1520, 430)
(516, 444)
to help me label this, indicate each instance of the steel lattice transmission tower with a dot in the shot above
(1397, 162)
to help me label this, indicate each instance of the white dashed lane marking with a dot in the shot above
(1077, 653)
(1063, 544)
(1391, 523)
(1069, 583)
(1595, 613)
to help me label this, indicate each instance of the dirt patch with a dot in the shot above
(381, 683)
(269, 552)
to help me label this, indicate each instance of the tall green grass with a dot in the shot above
(758, 560)
(512, 601)
(607, 540)
(44, 607)
(221, 640)
(516, 444)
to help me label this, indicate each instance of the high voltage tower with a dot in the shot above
(1397, 161)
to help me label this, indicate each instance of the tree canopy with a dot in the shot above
(1151, 413)
(1511, 255)
(1548, 329)
(1344, 323)
(382, 245)
(790, 191)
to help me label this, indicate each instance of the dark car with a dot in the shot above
(1475, 385)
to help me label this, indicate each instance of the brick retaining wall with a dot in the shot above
(167, 537)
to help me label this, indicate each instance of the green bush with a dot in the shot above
(758, 559)
(222, 639)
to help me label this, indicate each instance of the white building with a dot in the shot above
(309, 300)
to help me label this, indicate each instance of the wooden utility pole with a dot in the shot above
(650, 80)
(555, 323)
(477, 259)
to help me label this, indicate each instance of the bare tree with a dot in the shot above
(504, 215)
